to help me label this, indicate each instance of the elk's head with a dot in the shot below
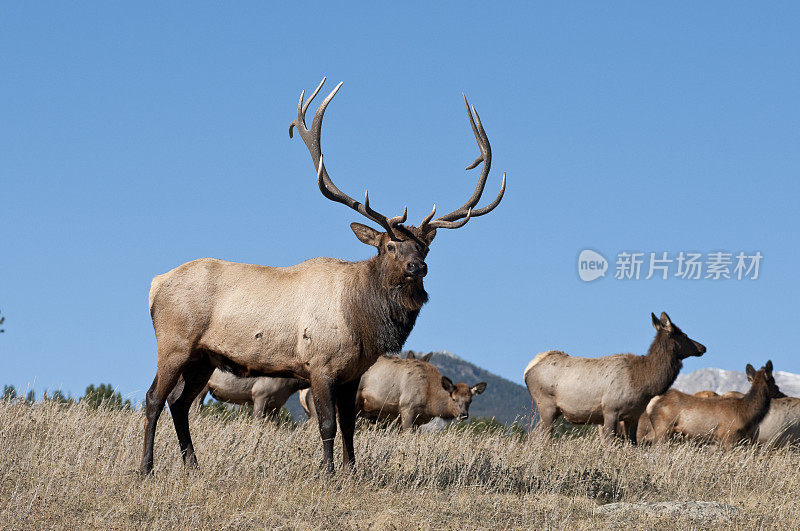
(401, 259)
(461, 394)
(680, 343)
(765, 374)
(401, 248)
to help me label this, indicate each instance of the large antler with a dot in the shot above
(459, 217)
(312, 139)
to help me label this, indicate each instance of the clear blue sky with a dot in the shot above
(136, 137)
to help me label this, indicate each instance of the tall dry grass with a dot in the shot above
(73, 467)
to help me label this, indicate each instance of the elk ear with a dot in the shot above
(447, 384)
(427, 357)
(410, 355)
(768, 366)
(656, 322)
(366, 234)
(429, 236)
(478, 388)
(750, 371)
(665, 322)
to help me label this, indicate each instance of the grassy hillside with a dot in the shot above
(503, 399)
(73, 467)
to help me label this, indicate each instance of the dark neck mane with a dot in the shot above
(656, 371)
(755, 404)
(382, 316)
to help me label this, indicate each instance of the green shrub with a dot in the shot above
(104, 396)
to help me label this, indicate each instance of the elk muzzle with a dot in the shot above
(701, 349)
(416, 269)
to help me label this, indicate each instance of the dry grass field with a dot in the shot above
(74, 467)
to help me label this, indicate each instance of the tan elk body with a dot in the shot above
(781, 425)
(726, 420)
(609, 389)
(325, 320)
(412, 390)
(266, 394)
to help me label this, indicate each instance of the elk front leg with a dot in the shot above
(547, 415)
(322, 390)
(631, 430)
(610, 421)
(259, 407)
(346, 406)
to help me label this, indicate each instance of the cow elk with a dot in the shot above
(609, 389)
(266, 394)
(410, 389)
(325, 321)
(727, 420)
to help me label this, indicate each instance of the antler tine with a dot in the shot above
(313, 94)
(468, 209)
(429, 217)
(442, 224)
(488, 208)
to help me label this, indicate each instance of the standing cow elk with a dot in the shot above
(266, 394)
(610, 389)
(410, 389)
(726, 420)
(324, 320)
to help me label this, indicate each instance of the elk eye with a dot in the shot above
(390, 247)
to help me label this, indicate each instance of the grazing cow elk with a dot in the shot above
(325, 321)
(726, 420)
(609, 389)
(266, 394)
(411, 389)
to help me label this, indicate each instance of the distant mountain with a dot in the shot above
(503, 399)
(721, 381)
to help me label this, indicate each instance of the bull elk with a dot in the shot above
(325, 321)
(266, 394)
(410, 389)
(726, 420)
(609, 389)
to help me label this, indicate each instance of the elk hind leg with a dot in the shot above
(168, 370)
(194, 378)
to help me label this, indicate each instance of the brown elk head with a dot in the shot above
(401, 249)
(461, 394)
(668, 331)
(765, 374)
